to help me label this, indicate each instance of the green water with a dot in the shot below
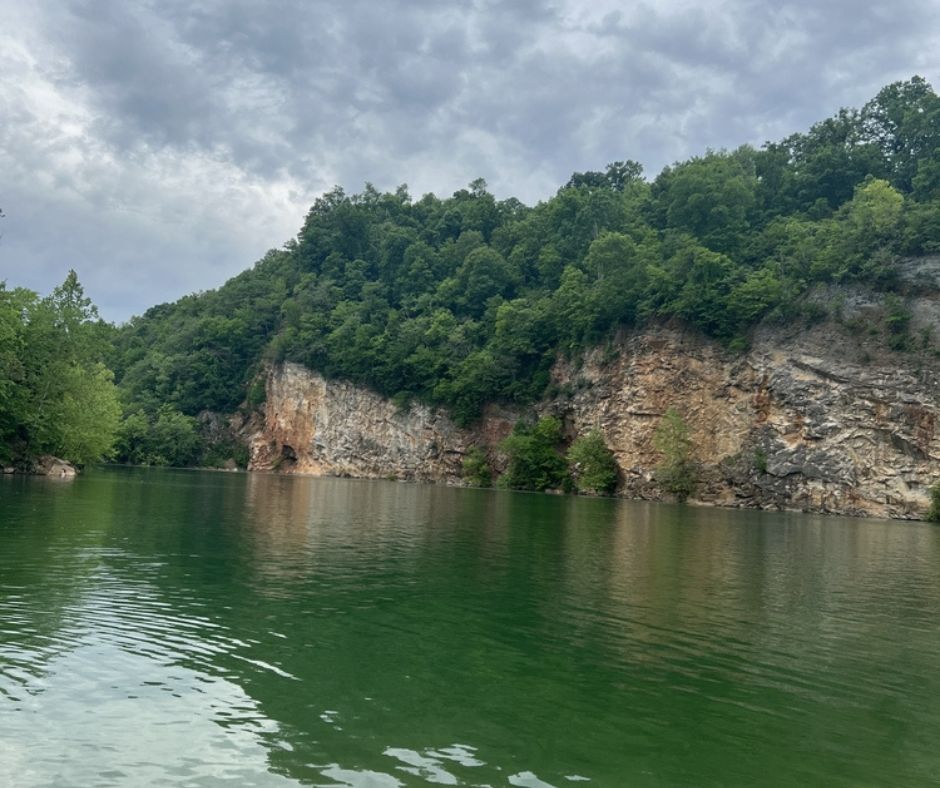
(203, 629)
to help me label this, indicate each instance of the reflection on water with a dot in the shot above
(161, 627)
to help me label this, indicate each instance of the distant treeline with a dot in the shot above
(467, 300)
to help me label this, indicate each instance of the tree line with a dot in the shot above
(467, 300)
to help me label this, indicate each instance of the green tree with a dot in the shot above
(592, 464)
(534, 462)
(168, 437)
(903, 121)
(14, 395)
(713, 198)
(933, 513)
(56, 395)
(484, 274)
(676, 472)
(82, 421)
(476, 468)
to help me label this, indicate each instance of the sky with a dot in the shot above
(159, 148)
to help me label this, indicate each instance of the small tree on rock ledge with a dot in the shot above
(592, 464)
(676, 473)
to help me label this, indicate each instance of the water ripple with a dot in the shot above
(198, 629)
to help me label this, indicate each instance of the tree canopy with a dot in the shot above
(56, 395)
(469, 299)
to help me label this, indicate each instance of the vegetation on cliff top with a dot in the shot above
(466, 300)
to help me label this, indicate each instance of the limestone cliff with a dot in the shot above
(817, 419)
(779, 427)
(326, 427)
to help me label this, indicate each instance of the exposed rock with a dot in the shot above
(48, 465)
(325, 427)
(788, 425)
(807, 421)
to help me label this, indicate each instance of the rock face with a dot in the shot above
(809, 422)
(47, 465)
(777, 428)
(325, 427)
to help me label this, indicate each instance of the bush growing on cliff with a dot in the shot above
(476, 469)
(592, 465)
(933, 513)
(897, 322)
(534, 462)
(677, 472)
(257, 392)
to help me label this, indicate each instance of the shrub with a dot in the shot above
(760, 460)
(167, 438)
(897, 322)
(476, 470)
(677, 471)
(257, 392)
(933, 513)
(592, 464)
(534, 463)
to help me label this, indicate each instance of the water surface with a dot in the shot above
(204, 629)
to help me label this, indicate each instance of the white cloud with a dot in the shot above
(160, 148)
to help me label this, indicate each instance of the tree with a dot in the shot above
(618, 176)
(903, 121)
(695, 284)
(713, 198)
(484, 275)
(56, 395)
(592, 464)
(13, 358)
(534, 462)
(676, 472)
(476, 469)
(933, 513)
(83, 420)
(619, 267)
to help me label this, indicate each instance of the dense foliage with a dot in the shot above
(56, 395)
(592, 464)
(466, 300)
(534, 460)
(469, 299)
(476, 468)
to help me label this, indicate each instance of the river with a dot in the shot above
(185, 628)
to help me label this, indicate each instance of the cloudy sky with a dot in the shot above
(160, 147)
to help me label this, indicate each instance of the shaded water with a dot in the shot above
(184, 628)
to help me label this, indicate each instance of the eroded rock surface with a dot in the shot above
(47, 465)
(325, 427)
(803, 423)
(776, 428)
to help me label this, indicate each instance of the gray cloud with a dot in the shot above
(160, 147)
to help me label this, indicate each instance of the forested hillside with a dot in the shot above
(466, 300)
